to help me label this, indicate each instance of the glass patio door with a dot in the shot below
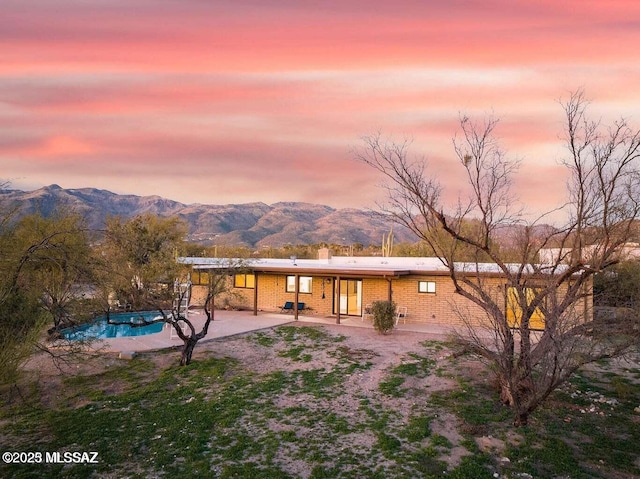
(350, 301)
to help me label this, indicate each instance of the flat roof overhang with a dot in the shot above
(320, 271)
(357, 272)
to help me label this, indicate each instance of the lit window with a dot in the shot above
(199, 278)
(514, 309)
(427, 287)
(304, 284)
(244, 281)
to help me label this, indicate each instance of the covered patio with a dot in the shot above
(230, 323)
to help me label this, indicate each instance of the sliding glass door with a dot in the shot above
(350, 300)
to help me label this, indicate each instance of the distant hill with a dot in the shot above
(250, 224)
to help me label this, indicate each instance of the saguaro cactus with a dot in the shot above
(387, 243)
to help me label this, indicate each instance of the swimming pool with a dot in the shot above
(100, 329)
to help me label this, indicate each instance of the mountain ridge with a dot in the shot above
(254, 224)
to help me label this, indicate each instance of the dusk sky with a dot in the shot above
(206, 101)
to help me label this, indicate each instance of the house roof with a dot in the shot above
(348, 266)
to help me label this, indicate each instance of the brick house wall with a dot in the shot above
(272, 294)
(443, 306)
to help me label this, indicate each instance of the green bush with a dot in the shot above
(21, 322)
(384, 316)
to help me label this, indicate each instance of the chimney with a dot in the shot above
(324, 254)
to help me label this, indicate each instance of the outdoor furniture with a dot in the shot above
(367, 312)
(401, 312)
(288, 306)
(125, 306)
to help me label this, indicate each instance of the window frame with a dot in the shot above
(513, 311)
(427, 289)
(290, 284)
(244, 283)
(197, 275)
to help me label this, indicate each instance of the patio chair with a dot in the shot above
(367, 312)
(124, 306)
(401, 312)
(288, 306)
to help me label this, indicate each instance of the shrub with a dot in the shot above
(384, 315)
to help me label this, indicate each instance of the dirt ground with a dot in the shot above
(388, 350)
(384, 352)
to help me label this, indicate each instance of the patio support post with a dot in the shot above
(255, 293)
(338, 300)
(390, 292)
(295, 303)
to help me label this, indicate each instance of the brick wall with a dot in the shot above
(442, 307)
(237, 298)
(272, 294)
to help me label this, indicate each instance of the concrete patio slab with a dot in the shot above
(225, 323)
(230, 323)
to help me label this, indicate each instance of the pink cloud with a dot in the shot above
(239, 95)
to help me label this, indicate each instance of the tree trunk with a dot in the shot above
(506, 395)
(187, 351)
(520, 418)
(516, 400)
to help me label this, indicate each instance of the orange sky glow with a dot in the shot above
(239, 101)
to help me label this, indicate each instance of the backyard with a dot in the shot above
(317, 401)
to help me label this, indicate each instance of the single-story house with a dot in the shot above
(347, 285)
(628, 251)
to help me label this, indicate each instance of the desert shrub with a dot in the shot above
(384, 316)
(21, 322)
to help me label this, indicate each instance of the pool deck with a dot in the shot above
(230, 323)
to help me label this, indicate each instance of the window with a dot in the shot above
(244, 281)
(304, 284)
(427, 287)
(199, 278)
(514, 311)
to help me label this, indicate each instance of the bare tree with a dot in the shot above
(501, 320)
(176, 312)
(141, 269)
(178, 317)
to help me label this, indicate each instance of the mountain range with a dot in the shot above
(250, 224)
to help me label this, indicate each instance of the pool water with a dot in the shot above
(100, 329)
